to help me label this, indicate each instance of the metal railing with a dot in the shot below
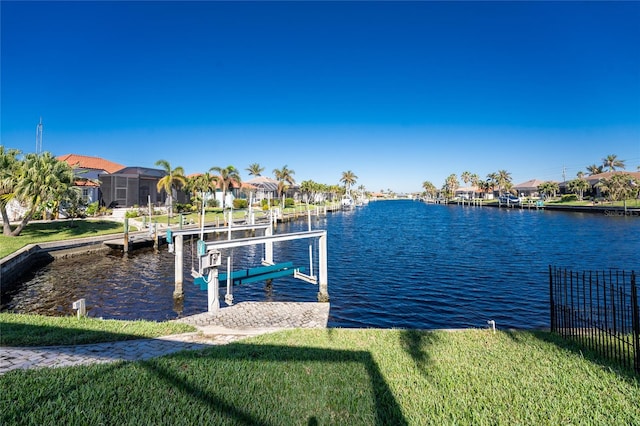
(599, 310)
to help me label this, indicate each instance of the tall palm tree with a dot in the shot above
(284, 176)
(429, 188)
(492, 180)
(202, 183)
(227, 177)
(474, 179)
(348, 178)
(450, 186)
(594, 169)
(174, 179)
(466, 177)
(504, 181)
(255, 169)
(484, 186)
(9, 167)
(42, 181)
(610, 162)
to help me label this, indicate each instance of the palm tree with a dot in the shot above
(227, 177)
(594, 169)
(504, 181)
(309, 189)
(466, 177)
(348, 178)
(474, 179)
(619, 187)
(549, 188)
(255, 169)
(611, 162)
(42, 180)
(492, 181)
(174, 179)
(578, 186)
(450, 186)
(284, 176)
(429, 188)
(203, 183)
(9, 167)
(484, 186)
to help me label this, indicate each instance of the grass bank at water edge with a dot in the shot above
(40, 330)
(338, 376)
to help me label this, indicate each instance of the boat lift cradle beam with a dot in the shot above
(175, 240)
(213, 247)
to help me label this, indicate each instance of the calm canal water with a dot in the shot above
(398, 264)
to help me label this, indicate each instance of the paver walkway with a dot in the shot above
(230, 324)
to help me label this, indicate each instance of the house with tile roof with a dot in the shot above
(593, 181)
(528, 188)
(87, 171)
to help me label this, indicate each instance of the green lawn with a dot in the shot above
(337, 376)
(40, 330)
(41, 232)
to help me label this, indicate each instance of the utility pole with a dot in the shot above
(39, 137)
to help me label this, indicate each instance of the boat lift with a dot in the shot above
(210, 259)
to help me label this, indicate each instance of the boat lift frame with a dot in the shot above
(210, 260)
(175, 239)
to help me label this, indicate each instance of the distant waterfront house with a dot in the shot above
(528, 188)
(87, 170)
(265, 187)
(593, 181)
(467, 193)
(132, 186)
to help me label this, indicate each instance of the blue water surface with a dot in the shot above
(392, 264)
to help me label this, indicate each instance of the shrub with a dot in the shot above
(569, 197)
(92, 209)
(240, 203)
(181, 208)
(212, 202)
(132, 213)
(289, 202)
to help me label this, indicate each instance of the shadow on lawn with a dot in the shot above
(576, 348)
(414, 342)
(387, 410)
(193, 374)
(70, 227)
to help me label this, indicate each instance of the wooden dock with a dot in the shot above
(135, 242)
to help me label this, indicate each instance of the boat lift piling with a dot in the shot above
(210, 260)
(175, 239)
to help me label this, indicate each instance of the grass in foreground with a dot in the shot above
(336, 376)
(35, 233)
(39, 330)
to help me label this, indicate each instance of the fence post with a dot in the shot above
(636, 323)
(552, 305)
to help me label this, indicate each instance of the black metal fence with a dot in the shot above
(598, 309)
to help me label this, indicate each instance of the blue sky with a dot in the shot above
(399, 93)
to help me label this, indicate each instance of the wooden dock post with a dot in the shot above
(178, 291)
(155, 235)
(126, 235)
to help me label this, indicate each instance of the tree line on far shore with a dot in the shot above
(619, 186)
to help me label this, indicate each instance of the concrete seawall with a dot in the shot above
(35, 255)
